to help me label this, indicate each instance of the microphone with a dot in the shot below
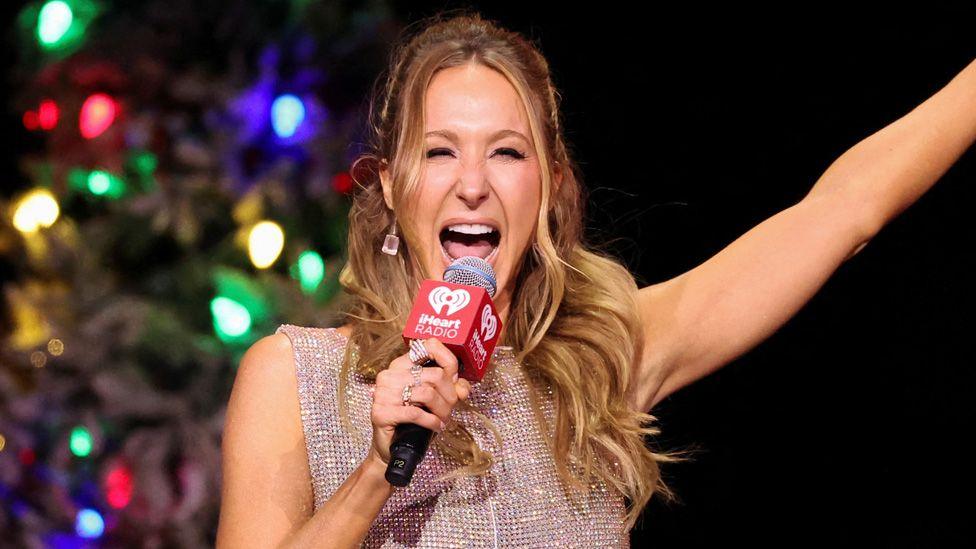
(458, 311)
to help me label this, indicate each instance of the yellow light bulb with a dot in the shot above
(36, 209)
(264, 243)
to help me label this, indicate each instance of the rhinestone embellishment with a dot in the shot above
(519, 503)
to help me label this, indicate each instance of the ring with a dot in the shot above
(406, 394)
(415, 370)
(418, 352)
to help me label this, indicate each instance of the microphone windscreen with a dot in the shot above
(471, 270)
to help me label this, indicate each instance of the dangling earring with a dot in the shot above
(392, 242)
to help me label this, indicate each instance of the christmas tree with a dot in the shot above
(182, 190)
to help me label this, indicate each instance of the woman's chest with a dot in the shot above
(518, 502)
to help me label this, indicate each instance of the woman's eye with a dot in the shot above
(509, 152)
(513, 153)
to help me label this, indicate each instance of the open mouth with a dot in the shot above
(463, 240)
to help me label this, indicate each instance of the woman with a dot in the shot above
(468, 158)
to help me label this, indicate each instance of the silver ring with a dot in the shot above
(406, 394)
(415, 370)
(418, 352)
(413, 356)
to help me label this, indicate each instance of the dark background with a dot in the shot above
(694, 124)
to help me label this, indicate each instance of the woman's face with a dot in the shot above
(480, 172)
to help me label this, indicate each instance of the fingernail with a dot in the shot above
(455, 377)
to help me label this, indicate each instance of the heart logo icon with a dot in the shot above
(442, 296)
(489, 323)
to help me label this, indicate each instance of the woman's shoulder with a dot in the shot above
(270, 359)
(306, 336)
(345, 330)
(313, 351)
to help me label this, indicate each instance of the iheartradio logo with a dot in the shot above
(462, 317)
(489, 323)
(454, 300)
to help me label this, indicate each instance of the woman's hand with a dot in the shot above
(440, 390)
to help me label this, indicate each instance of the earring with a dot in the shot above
(392, 242)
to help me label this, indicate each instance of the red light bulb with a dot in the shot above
(97, 114)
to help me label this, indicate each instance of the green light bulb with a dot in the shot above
(53, 22)
(80, 442)
(102, 183)
(311, 270)
(98, 182)
(230, 317)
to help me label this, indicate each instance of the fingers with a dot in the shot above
(390, 385)
(463, 388)
(442, 378)
(386, 415)
(438, 391)
(446, 382)
(443, 356)
(394, 378)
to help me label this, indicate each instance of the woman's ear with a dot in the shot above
(386, 183)
(557, 172)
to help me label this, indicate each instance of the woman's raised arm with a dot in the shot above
(706, 317)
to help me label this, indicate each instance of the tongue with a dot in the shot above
(480, 248)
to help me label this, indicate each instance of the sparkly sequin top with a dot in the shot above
(519, 503)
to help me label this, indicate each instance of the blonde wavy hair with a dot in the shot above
(573, 319)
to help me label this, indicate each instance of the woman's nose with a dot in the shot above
(472, 187)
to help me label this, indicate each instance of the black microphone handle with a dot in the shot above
(409, 445)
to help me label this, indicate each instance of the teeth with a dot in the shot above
(470, 228)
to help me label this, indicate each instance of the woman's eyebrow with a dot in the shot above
(453, 137)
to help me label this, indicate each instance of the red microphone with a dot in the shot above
(458, 311)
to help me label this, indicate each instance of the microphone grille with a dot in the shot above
(471, 270)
